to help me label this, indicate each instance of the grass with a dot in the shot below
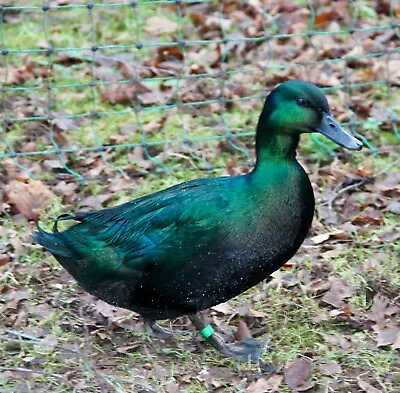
(72, 322)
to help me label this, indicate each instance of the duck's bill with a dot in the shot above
(333, 131)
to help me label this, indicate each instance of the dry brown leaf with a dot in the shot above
(67, 191)
(28, 198)
(396, 344)
(297, 373)
(393, 207)
(150, 98)
(328, 14)
(369, 216)
(337, 234)
(387, 336)
(318, 286)
(265, 385)
(282, 279)
(366, 387)
(318, 239)
(123, 94)
(15, 296)
(125, 349)
(217, 376)
(224, 308)
(172, 387)
(331, 367)
(256, 314)
(377, 313)
(338, 340)
(158, 25)
(110, 312)
(339, 291)
(96, 201)
(4, 259)
(242, 332)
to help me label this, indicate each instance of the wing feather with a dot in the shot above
(162, 226)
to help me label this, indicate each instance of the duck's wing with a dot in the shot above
(166, 226)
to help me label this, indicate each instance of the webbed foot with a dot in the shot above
(245, 350)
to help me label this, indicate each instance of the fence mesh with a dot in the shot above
(94, 88)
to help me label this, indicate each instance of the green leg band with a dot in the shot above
(207, 331)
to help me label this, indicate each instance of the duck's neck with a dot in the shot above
(273, 142)
(273, 146)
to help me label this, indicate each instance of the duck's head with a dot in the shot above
(296, 107)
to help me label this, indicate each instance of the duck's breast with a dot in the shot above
(285, 210)
(260, 229)
(261, 236)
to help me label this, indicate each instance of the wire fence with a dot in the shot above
(95, 88)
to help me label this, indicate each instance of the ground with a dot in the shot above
(330, 317)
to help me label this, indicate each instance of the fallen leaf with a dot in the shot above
(366, 387)
(216, 376)
(224, 308)
(96, 201)
(28, 198)
(256, 314)
(296, 374)
(242, 332)
(158, 25)
(282, 279)
(172, 387)
(331, 367)
(331, 13)
(15, 297)
(387, 336)
(52, 164)
(393, 207)
(369, 216)
(339, 291)
(320, 238)
(396, 344)
(67, 191)
(150, 98)
(377, 313)
(105, 309)
(123, 94)
(318, 287)
(265, 385)
(4, 259)
(64, 123)
(338, 340)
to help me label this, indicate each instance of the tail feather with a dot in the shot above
(53, 242)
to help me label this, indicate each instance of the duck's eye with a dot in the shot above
(301, 102)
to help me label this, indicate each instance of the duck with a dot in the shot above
(191, 246)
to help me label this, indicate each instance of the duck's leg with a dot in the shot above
(245, 350)
(156, 329)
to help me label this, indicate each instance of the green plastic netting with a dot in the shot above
(95, 88)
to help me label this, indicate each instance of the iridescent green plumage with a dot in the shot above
(199, 243)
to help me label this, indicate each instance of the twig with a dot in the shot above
(28, 339)
(36, 341)
(90, 366)
(185, 158)
(360, 183)
(107, 380)
(345, 189)
(28, 370)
